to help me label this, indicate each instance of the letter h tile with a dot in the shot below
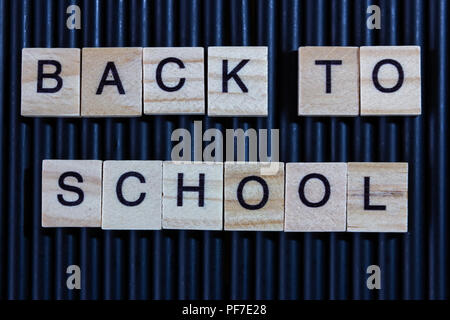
(192, 195)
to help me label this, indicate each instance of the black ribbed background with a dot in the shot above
(236, 265)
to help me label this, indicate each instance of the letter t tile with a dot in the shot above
(328, 81)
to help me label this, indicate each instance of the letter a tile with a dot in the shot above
(237, 81)
(71, 193)
(193, 195)
(111, 84)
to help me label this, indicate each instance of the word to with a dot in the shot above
(108, 82)
(153, 195)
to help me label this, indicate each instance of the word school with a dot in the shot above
(121, 82)
(152, 195)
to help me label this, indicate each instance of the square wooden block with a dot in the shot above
(316, 197)
(254, 200)
(237, 81)
(390, 80)
(51, 82)
(71, 193)
(111, 84)
(193, 195)
(328, 81)
(132, 195)
(377, 197)
(174, 80)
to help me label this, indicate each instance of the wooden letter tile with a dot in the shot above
(132, 195)
(174, 80)
(71, 193)
(390, 80)
(193, 195)
(237, 81)
(328, 81)
(111, 83)
(377, 197)
(51, 82)
(316, 197)
(253, 200)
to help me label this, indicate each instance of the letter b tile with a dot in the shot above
(51, 82)
(193, 195)
(132, 195)
(254, 196)
(71, 193)
(237, 81)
